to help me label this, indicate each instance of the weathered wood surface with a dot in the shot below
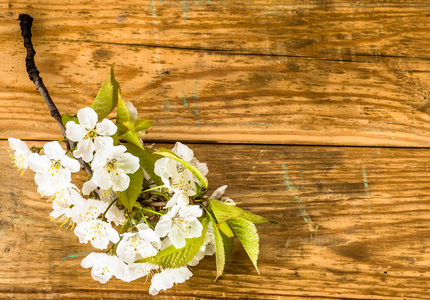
(275, 72)
(353, 225)
(354, 222)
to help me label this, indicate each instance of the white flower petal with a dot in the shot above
(71, 164)
(166, 278)
(138, 270)
(75, 132)
(128, 162)
(120, 180)
(39, 163)
(218, 192)
(106, 128)
(131, 110)
(104, 266)
(87, 117)
(115, 215)
(183, 151)
(85, 150)
(53, 150)
(88, 187)
(97, 232)
(18, 145)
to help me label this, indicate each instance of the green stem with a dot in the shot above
(146, 221)
(153, 211)
(159, 194)
(110, 205)
(154, 188)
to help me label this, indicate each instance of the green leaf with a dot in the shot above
(176, 258)
(223, 247)
(107, 98)
(129, 196)
(247, 234)
(129, 132)
(226, 229)
(141, 125)
(131, 137)
(224, 211)
(256, 219)
(67, 118)
(122, 114)
(147, 160)
(167, 153)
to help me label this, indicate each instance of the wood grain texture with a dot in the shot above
(353, 225)
(275, 72)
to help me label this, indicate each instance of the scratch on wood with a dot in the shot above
(185, 10)
(300, 203)
(184, 98)
(74, 255)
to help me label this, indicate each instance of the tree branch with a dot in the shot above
(25, 23)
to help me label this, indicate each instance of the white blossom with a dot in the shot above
(177, 177)
(97, 232)
(178, 199)
(53, 170)
(141, 244)
(87, 210)
(89, 134)
(105, 195)
(138, 270)
(20, 157)
(114, 214)
(166, 278)
(104, 266)
(180, 223)
(111, 165)
(62, 201)
(187, 154)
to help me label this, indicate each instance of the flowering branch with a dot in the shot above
(26, 21)
(158, 197)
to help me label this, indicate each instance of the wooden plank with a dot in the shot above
(272, 72)
(353, 225)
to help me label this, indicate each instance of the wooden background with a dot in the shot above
(315, 113)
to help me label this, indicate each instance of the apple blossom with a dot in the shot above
(20, 157)
(180, 223)
(111, 165)
(89, 134)
(53, 170)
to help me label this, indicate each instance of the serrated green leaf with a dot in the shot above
(247, 234)
(131, 137)
(147, 160)
(224, 211)
(141, 125)
(122, 114)
(167, 153)
(107, 98)
(228, 246)
(226, 229)
(223, 248)
(256, 219)
(67, 118)
(129, 196)
(176, 258)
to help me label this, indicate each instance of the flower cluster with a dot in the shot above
(147, 211)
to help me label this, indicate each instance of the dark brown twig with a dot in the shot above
(26, 22)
